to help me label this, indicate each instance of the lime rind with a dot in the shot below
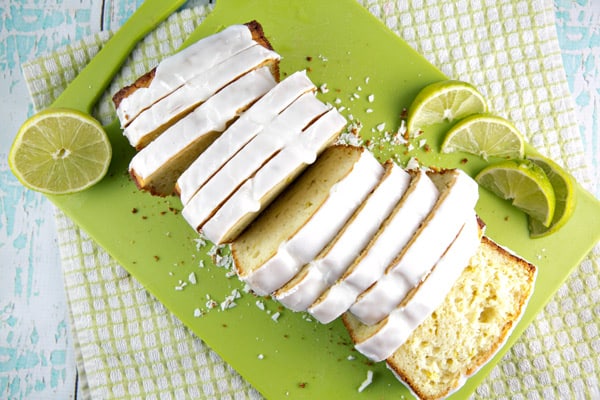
(60, 151)
(564, 191)
(524, 184)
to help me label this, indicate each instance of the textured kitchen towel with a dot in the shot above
(130, 346)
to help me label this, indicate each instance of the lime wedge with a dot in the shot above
(486, 136)
(525, 184)
(443, 101)
(60, 151)
(562, 183)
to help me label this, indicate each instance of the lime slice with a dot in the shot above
(60, 151)
(444, 101)
(562, 183)
(486, 136)
(525, 184)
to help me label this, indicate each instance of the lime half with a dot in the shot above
(564, 192)
(444, 101)
(60, 151)
(525, 184)
(486, 136)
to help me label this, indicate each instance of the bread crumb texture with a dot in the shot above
(469, 327)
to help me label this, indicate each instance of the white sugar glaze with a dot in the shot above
(174, 71)
(195, 92)
(212, 116)
(330, 264)
(392, 331)
(241, 132)
(284, 129)
(257, 191)
(456, 203)
(387, 243)
(344, 197)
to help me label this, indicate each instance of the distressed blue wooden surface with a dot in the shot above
(36, 354)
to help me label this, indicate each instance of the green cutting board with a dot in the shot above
(344, 46)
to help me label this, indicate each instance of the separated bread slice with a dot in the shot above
(316, 276)
(179, 68)
(241, 132)
(151, 122)
(469, 327)
(387, 243)
(285, 128)
(380, 340)
(271, 179)
(300, 222)
(157, 167)
(458, 196)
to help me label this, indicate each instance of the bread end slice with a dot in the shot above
(470, 326)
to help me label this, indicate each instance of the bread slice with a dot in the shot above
(151, 122)
(371, 263)
(321, 272)
(458, 196)
(469, 327)
(158, 166)
(241, 132)
(179, 68)
(284, 129)
(300, 222)
(271, 179)
(380, 340)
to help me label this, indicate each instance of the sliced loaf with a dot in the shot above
(157, 167)
(283, 129)
(380, 340)
(390, 239)
(458, 196)
(321, 272)
(241, 132)
(177, 69)
(152, 122)
(272, 178)
(469, 327)
(300, 222)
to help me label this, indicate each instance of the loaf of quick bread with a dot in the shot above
(320, 227)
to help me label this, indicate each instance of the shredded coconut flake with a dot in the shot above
(210, 303)
(366, 382)
(200, 242)
(413, 163)
(180, 285)
(371, 98)
(192, 278)
(198, 313)
(275, 317)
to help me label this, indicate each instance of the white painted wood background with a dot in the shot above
(36, 354)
